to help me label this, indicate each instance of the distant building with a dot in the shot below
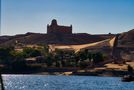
(54, 28)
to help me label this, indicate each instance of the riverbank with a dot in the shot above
(116, 70)
(87, 72)
(110, 69)
(111, 73)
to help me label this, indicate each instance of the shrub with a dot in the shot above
(30, 52)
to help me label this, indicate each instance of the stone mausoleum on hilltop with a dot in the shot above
(54, 28)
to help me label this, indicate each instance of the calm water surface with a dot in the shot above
(44, 82)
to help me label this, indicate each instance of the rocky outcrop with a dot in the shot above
(124, 47)
(127, 38)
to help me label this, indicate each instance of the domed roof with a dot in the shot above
(54, 22)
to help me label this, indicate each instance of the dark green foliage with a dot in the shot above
(18, 65)
(61, 58)
(97, 57)
(83, 64)
(67, 58)
(5, 55)
(63, 63)
(57, 64)
(59, 54)
(89, 55)
(17, 55)
(83, 56)
(46, 48)
(49, 60)
(30, 52)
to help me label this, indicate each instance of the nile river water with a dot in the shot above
(49, 82)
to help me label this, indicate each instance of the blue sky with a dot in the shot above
(86, 16)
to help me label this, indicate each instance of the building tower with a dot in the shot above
(54, 28)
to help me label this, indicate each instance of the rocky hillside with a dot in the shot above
(66, 39)
(127, 38)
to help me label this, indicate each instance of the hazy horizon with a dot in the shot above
(86, 16)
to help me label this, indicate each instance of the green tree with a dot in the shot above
(83, 55)
(17, 54)
(59, 54)
(98, 57)
(57, 64)
(19, 64)
(30, 52)
(83, 64)
(89, 55)
(46, 48)
(49, 59)
(5, 55)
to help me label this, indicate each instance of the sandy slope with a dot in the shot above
(76, 48)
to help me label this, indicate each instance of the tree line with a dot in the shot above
(58, 58)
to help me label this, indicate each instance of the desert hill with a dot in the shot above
(66, 39)
(127, 38)
(124, 39)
